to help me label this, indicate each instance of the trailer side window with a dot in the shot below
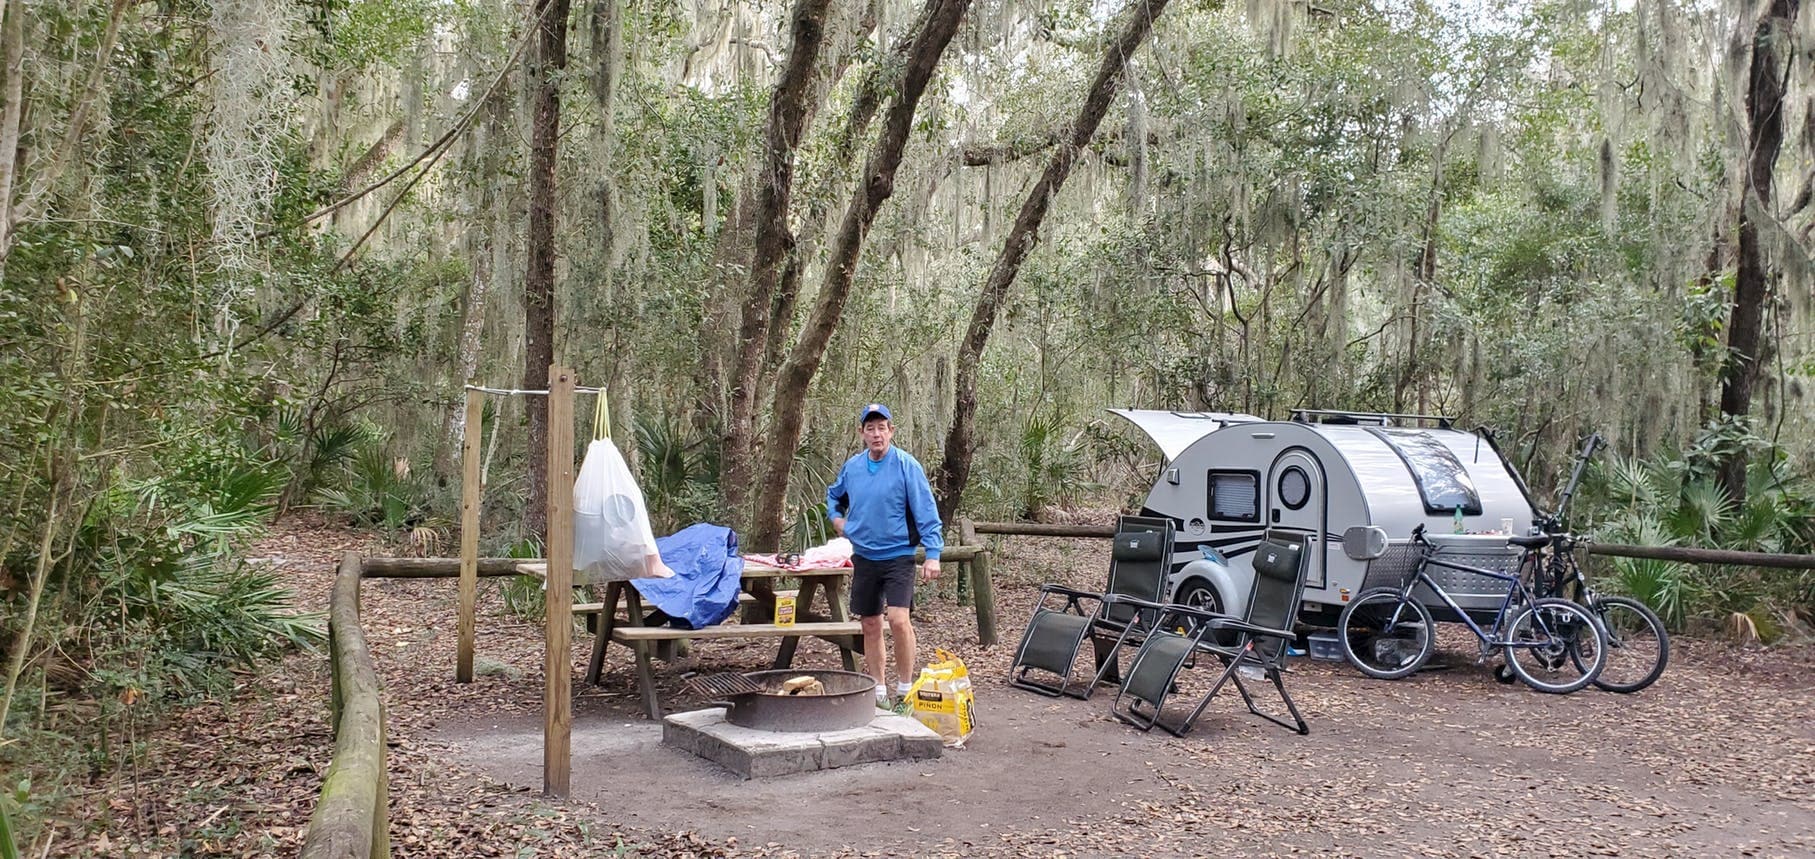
(1234, 495)
(1442, 481)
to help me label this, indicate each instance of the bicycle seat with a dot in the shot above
(1534, 542)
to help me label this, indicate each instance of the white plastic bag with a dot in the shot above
(612, 540)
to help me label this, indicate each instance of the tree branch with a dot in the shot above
(446, 139)
(78, 119)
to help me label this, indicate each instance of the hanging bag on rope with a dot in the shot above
(612, 540)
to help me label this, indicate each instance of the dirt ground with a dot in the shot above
(1449, 764)
(1718, 758)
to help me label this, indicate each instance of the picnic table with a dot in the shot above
(834, 625)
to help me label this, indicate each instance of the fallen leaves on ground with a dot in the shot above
(241, 777)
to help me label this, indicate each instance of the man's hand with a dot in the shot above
(930, 571)
(838, 525)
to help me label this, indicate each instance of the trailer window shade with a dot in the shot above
(1235, 495)
(1442, 481)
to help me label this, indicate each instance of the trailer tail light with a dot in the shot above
(1345, 594)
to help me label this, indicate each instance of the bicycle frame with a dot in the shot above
(1517, 592)
(1551, 573)
(1558, 570)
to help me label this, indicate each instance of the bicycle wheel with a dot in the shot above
(1385, 637)
(1637, 646)
(1555, 646)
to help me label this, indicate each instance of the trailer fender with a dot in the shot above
(1207, 584)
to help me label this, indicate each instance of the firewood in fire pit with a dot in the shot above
(803, 685)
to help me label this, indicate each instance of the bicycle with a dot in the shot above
(1638, 648)
(1552, 644)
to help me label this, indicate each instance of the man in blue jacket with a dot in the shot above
(883, 504)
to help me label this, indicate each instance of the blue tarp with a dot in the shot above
(708, 572)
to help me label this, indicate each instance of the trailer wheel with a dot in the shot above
(1198, 593)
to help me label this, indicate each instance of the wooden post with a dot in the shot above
(967, 536)
(557, 691)
(985, 593)
(469, 533)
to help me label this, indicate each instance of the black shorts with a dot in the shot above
(873, 582)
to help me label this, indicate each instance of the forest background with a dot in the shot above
(253, 250)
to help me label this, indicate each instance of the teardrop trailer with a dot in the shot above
(1228, 479)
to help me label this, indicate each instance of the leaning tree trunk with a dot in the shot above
(12, 109)
(941, 23)
(788, 112)
(549, 60)
(1764, 113)
(845, 143)
(954, 472)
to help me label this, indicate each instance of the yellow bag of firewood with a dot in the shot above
(943, 700)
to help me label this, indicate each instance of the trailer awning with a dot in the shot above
(1175, 431)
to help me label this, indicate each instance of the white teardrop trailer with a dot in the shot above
(1229, 478)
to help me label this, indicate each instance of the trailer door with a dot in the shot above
(1297, 508)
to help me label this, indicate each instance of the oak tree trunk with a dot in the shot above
(939, 25)
(12, 109)
(955, 470)
(547, 62)
(788, 113)
(1764, 115)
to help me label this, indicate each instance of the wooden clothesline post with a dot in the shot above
(469, 533)
(557, 692)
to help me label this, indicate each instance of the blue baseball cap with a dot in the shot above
(874, 410)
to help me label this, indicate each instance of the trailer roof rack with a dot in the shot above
(1385, 419)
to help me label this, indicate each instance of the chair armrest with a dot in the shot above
(1074, 600)
(1202, 616)
(1137, 602)
(1069, 592)
(1221, 623)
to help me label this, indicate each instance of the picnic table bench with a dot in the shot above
(835, 625)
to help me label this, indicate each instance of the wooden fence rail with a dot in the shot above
(1680, 554)
(437, 568)
(1036, 529)
(351, 820)
(972, 562)
(1689, 555)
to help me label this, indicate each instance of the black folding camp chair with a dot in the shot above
(1182, 634)
(1064, 617)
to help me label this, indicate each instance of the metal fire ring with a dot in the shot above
(849, 702)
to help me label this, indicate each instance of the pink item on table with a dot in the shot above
(834, 555)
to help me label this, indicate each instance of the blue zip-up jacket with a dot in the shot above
(876, 506)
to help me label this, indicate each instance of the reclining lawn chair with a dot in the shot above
(1256, 641)
(1057, 630)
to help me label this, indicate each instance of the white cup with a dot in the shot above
(1506, 526)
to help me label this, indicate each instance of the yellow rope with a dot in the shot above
(601, 418)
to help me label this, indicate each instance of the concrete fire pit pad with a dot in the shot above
(760, 754)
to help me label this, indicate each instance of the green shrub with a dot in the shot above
(374, 487)
(1673, 501)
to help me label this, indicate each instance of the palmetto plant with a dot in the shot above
(1672, 502)
(1055, 467)
(9, 848)
(678, 473)
(814, 470)
(215, 604)
(375, 487)
(158, 593)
